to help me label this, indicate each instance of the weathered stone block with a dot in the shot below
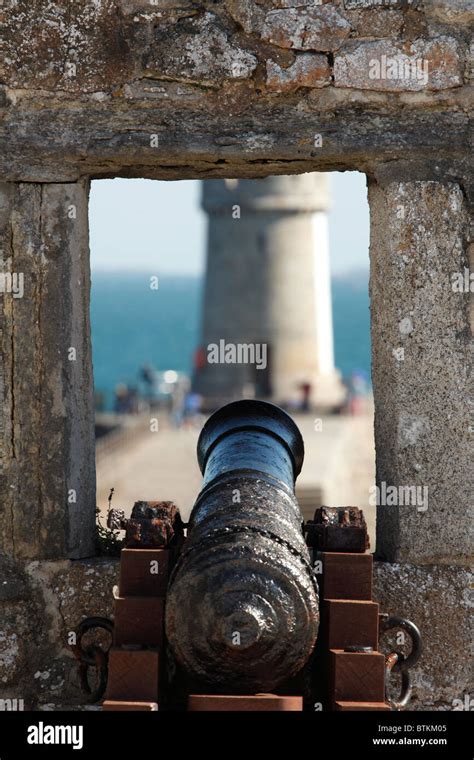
(13, 582)
(37, 619)
(375, 24)
(309, 70)
(438, 599)
(298, 3)
(14, 634)
(249, 14)
(67, 47)
(48, 490)
(320, 28)
(157, 6)
(420, 372)
(381, 5)
(401, 66)
(76, 590)
(450, 11)
(197, 50)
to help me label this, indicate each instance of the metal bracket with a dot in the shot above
(397, 662)
(93, 656)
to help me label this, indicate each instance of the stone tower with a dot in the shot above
(267, 322)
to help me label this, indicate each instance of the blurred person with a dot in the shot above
(306, 389)
(191, 409)
(121, 398)
(358, 390)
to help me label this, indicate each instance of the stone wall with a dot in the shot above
(438, 600)
(41, 604)
(172, 89)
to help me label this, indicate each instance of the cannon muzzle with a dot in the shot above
(242, 604)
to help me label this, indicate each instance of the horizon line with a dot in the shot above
(153, 272)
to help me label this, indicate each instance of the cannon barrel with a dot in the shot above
(242, 602)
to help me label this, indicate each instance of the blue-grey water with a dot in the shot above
(134, 324)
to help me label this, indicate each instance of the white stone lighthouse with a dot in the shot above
(266, 318)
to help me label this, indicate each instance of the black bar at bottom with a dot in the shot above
(119, 735)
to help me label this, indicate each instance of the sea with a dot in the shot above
(137, 320)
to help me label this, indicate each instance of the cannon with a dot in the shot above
(242, 602)
(239, 592)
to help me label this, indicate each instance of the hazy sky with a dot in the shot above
(159, 226)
